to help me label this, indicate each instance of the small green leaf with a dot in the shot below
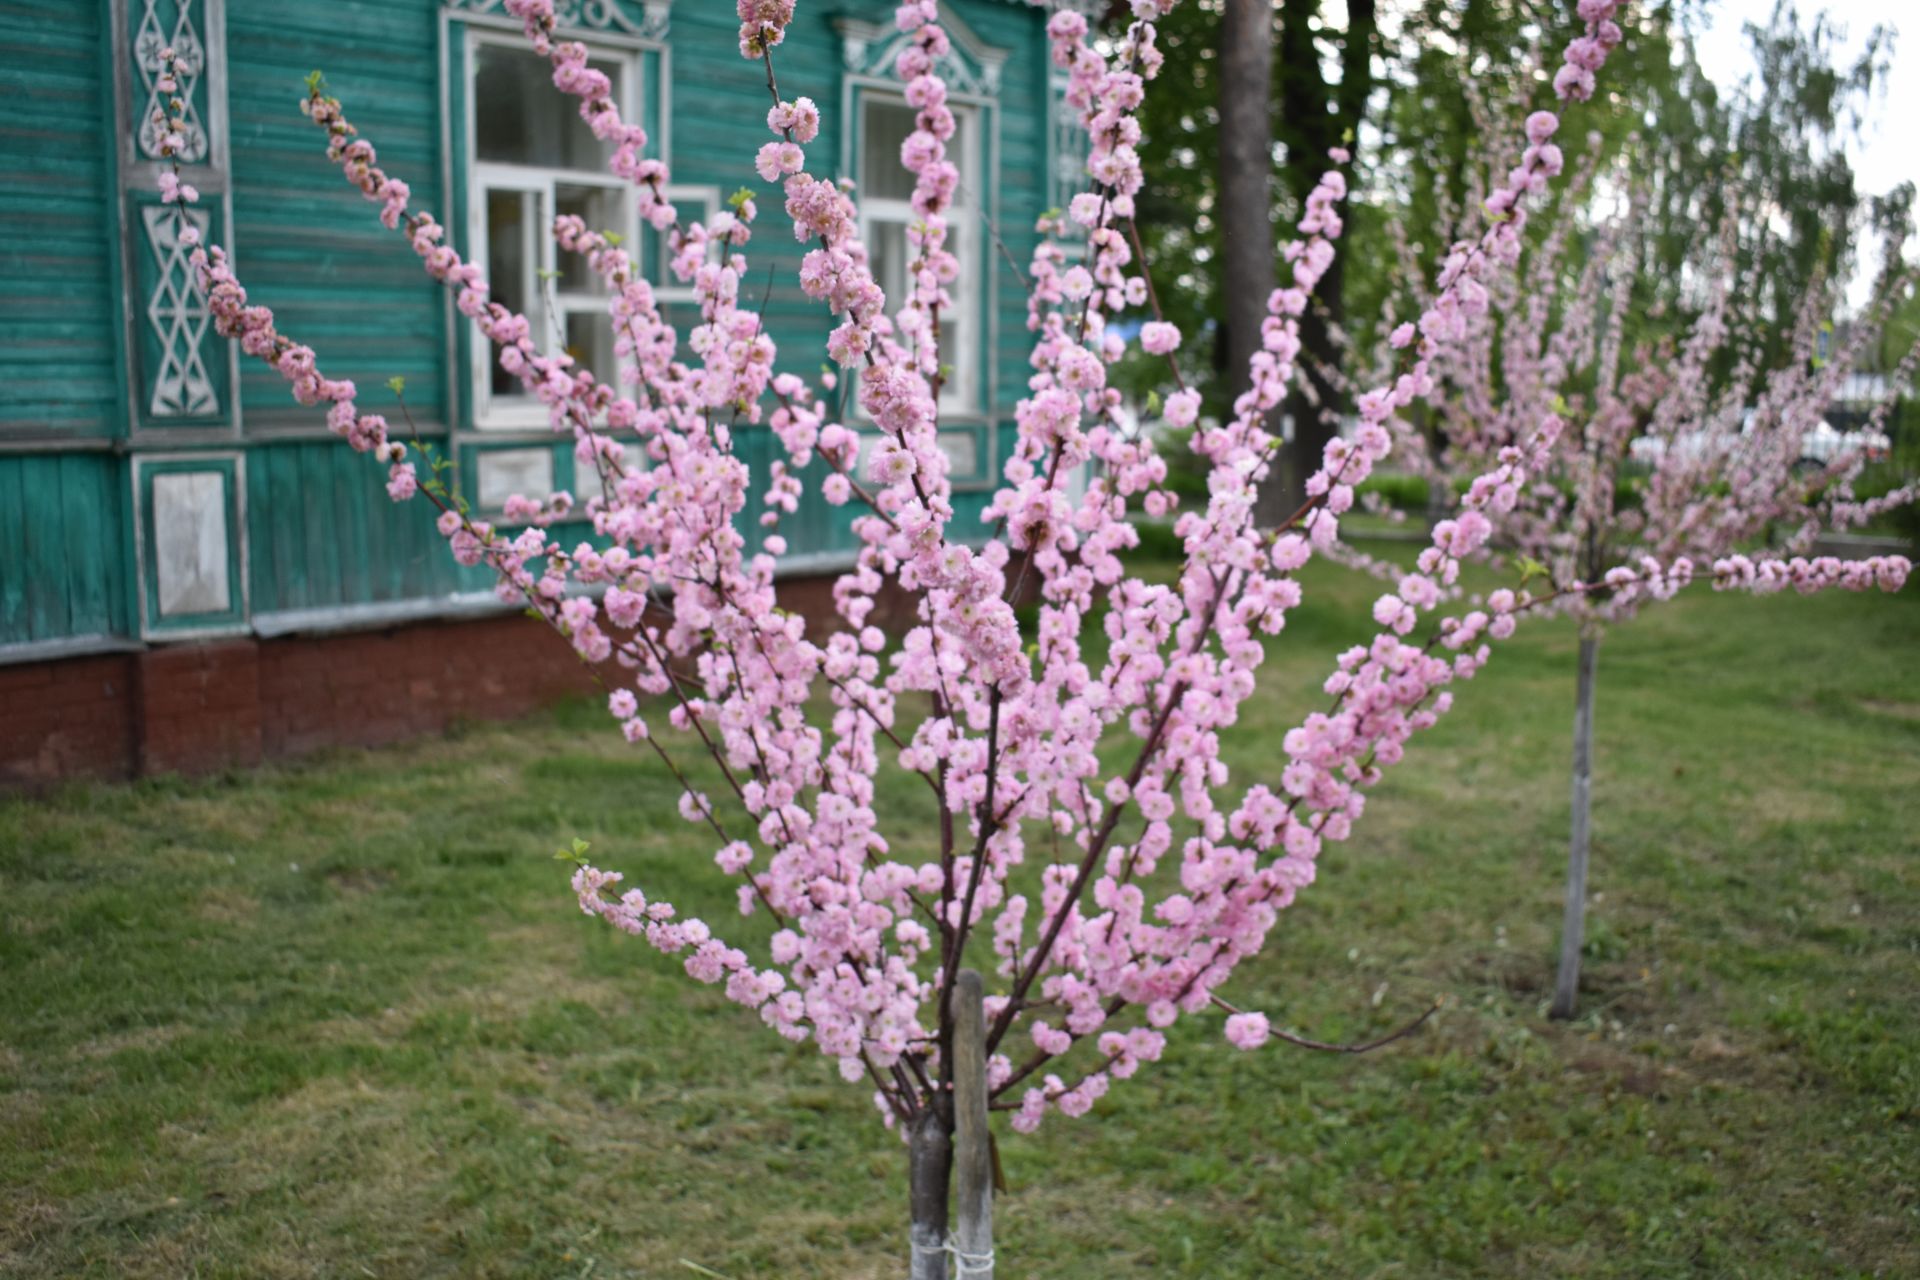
(1153, 404)
(738, 199)
(397, 385)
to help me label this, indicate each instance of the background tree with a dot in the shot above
(1417, 87)
(1245, 43)
(1667, 465)
(1318, 116)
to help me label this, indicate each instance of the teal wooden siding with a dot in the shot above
(323, 533)
(313, 532)
(58, 357)
(65, 568)
(306, 242)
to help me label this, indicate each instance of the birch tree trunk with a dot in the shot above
(1566, 990)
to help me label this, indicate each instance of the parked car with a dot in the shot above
(1819, 447)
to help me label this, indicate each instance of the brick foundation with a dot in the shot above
(67, 719)
(196, 708)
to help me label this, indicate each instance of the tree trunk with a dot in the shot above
(972, 1141)
(1316, 117)
(1246, 183)
(937, 1160)
(1566, 988)
(929, 1163)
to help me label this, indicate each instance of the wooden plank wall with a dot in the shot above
(320, 530)
(58, 358)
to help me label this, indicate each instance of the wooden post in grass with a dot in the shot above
(1566, 988)
(972, 1142)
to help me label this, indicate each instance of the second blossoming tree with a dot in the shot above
(1682, 450)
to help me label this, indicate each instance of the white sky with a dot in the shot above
(1885, 154)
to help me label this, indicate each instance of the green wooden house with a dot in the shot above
(156, 487)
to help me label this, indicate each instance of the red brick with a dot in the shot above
(195, 707)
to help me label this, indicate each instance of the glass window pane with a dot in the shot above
(512, 221)
(590, 341)
(889, 253)
(963, 453)
(603, 209)
(955, 358)
(685, 318)
(885, 125)
(957, 152)
(520, 118)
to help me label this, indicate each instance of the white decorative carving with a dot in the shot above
(506, 472)
(177, 310)
(970, 65)
(591, 15)
(190, 543)
(150, 40)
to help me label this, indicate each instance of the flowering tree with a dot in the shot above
(1174, 872)
(1679, 453)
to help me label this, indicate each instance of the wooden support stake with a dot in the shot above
(1573, 929)
(972, 1142)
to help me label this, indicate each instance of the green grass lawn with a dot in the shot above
(342, 1019)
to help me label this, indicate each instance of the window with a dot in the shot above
(886, 212)
(534, 159)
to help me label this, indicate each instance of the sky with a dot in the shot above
(1885, 156)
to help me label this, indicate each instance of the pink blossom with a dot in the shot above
(1248, 1030)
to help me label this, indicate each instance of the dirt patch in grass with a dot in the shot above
(1784, 805)
(359, 880)
(224, 905)
(148, 1038)
(22, 1219)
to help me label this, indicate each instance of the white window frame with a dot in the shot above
(548, 307)
(963, 395)
(681, 195)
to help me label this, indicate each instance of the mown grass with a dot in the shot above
(341, 1019)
